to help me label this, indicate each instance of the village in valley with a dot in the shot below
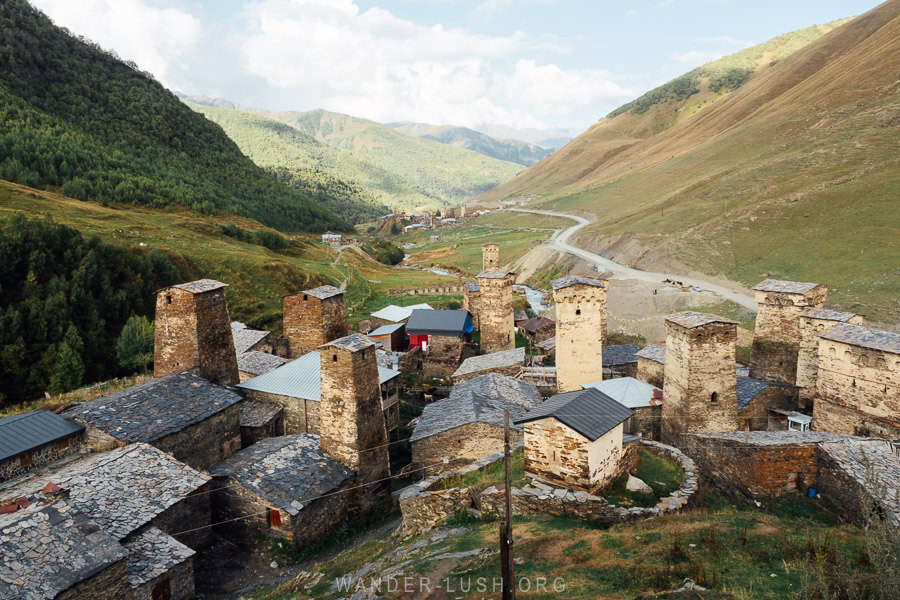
(241, 435)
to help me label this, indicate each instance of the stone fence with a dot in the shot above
(430, 290)
(425, 506)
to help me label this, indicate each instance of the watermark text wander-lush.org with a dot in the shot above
(484, 588)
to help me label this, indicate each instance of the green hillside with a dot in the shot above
(515, 151)
(77, 119)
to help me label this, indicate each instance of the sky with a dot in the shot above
(541, 64)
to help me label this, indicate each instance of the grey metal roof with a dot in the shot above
(569, 281)
(259, 363)
(473, 286)
(156, 408)
(323, 292)
(627, 391)
(786, 287)
(748, 389)
(290, 471)
(152, 553)
(385, 329)
(826, 314)
(653, 352)
(494, 274)
(691, 319)
(494, 360)
(438, 322)
(385, 374)
(200, 286)
(479, 400)
(353, 342)
(590, 412)
(620, 354)
(396, 313)
(28, 431)
(244, 339)
(865, 337)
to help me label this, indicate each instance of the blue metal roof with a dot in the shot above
(22, 433)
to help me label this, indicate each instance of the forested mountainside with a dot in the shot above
(397, 169)
(510, 150)
(792, 174)
(78, 119)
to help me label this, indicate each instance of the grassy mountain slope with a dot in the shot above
(510, 150)
(792, 175)
(75, 118)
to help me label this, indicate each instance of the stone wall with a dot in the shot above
(429, 290)
(193, 511)
(700, 381)
(207, 443)
(109, 584)
(755, 414)
(300, 416)
(650, 371)
(425, 506)
(44, 455)
(808, 355)
(308, 322)
(580, 318)
(646, 422)
(472, 303)
(459, 446)
(443, 357)
(776, 337)
(496, 317)
(509, 370)
(181, 583)
(857, 390)
(250, 434)
(557, 453)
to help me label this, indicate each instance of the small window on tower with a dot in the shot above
(305, 297)
(577, 311)
(334, 358)
(169, 299)
(714, 397)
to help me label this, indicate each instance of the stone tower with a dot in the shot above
(312, 318)
(776, 338)
(351, 421)
(812, 322)
(496, 312)
(580, 323)
(490, 257)
(472, 302)
(193, 330)
(700, 382)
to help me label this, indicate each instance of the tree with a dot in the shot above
(394, 229)
(68, 368)
(134, 348)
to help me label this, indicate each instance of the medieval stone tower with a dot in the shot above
(700, 382)
(472, 302)
(351, 419)
(776, 338)
(312, 318)
(812, 322)
(193, 330)
(490, 257)
(580, 323)
(496, 312)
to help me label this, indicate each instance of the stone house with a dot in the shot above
(255, 363)
(812, 322)
(858, 382)
(392, 314)
(651, 364)
(621, 359)
(247, 340)
(776, 337)
(260, 420)
(496, 314)
(507, 362)
(538, 329)
(468, 425)
(472, 301)
(193, 331)
(31, 440)
(757, 398)
(313, 317)
(641, 397)
(575, 438)
(443, 337)
(580, 322)
(392, 337)
(700, 379)
(183, 414)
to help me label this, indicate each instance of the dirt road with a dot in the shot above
(560, 241)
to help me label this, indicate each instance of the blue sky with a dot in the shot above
(519, 63)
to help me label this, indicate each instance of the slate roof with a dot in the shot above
(590, 412)
(289, 471)
(653, 352)
(479, 400)
(299, 378)
(156, 408)
(200, 286)
(786, 287)
(533, 325)
(564, 282)
(28, 431)
(439, 322)
(398, 313)
(259, 363)
(256, 413)
(494, 274)
(353, 342)
(627, 391)
(690, 319)
(865, 337)
(826, 314)
(244, 339)
(519, 316)
(324, 292)
(494, 360)
(748, 389)
(473, 286)
(620, 354)
(48, 549)
(152, 553)
(548, 344)
(385, 329)
(121, 490)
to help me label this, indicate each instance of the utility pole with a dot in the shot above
(506, 557)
